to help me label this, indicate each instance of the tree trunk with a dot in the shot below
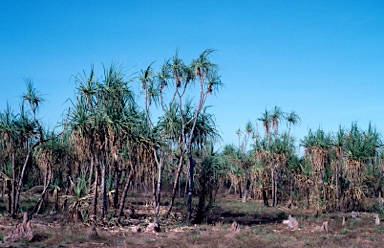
(20, 186)
(157, 188)
(179, 188)
(13, 194)
(202, 196)
(117, 177)
(275, 197)
(190, 188)
(273, 186)
(291, 192)
(103, 203)
(125, 192)
(91, 174)
(39, 203)
(337, 187)
(94, 200)
(246, 190)
(175, 184)
(9, 188)
(265, 197)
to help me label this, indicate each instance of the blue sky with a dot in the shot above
(324, 59)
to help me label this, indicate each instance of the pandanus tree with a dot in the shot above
(262, 159)
(21, 134)
(272, 153)
(266, 120)
(361, 149)
(8, 137)
(79, 126)
(29, 131)
(98, 126)
(244, 158)
(338, 162)
(210, 173)
(317, 149)
(279, 152)
(293, 119)
(137, 154)
(52, 158)
(169, 88)
(234, 172)
(277, 115)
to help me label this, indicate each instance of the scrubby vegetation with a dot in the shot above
(116, 160)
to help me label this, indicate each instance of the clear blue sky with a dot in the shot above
(322, 59)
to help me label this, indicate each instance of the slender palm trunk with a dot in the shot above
(265, 197)
(291, 192)
(13, 194)
(273, 186)
(91, 174)
(190, 188)
(9, 188)
(175, 184)
(275, 198)
(94, 201)
(337, 181)
(158, 188)
(240, 190)
(246, 189)
(117, 177)
(156, 185)
(154, 199)
(20, 185)
(39, 203)
(103, 203)
(125, 192)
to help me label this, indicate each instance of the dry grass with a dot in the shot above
(259, 227)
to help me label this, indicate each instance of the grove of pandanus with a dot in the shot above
(112, 146)
(163, 144)
(339, 171)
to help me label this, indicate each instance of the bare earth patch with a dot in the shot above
(256, 226)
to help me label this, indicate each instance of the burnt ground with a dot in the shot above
(259, 227)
